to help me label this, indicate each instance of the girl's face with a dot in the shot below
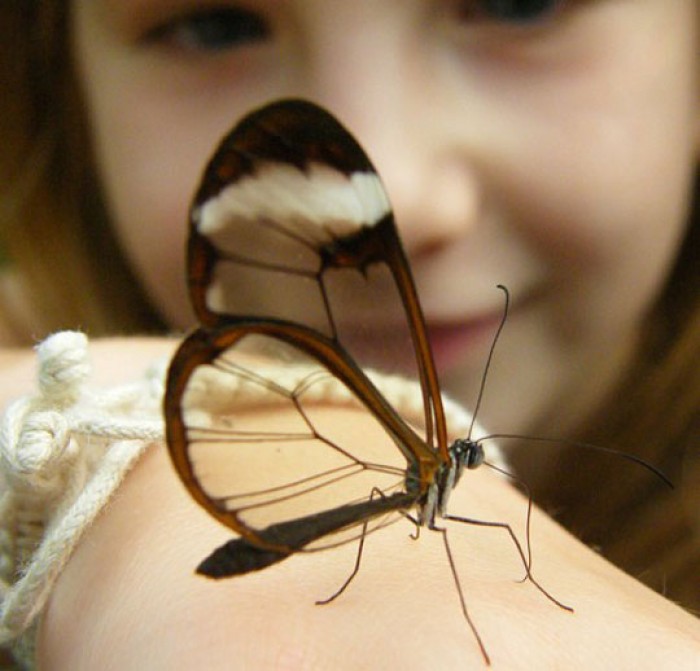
(548, 148)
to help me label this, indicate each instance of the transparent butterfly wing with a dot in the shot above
(253, 437)
(292, 222)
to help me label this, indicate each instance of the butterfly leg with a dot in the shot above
(462, 601)
(523, 486)
(358, 559)
(518, 546)
(416, 533)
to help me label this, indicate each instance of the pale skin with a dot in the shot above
(129, 597)
(527, 155)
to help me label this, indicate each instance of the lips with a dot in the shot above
(451, 342)
(388, 347)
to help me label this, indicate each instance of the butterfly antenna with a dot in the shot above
(587, 446)
(489, 358)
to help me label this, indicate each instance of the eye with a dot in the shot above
(509, 11)
(212, 30)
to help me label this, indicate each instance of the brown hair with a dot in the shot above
(636, 520)
(53, 225)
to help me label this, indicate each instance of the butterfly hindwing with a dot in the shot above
(257, 448)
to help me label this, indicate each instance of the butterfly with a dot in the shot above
(289, 213)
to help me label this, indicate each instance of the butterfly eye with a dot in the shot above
(476, 456)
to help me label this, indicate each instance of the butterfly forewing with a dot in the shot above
(291, 222)
(279, 202)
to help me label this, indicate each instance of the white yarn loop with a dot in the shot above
(64, 451)
(34, 445)
(63, 367)
(43, 443)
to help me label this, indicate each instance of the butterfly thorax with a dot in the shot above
(464, 453)
(432, 500)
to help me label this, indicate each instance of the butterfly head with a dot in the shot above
(466, 453)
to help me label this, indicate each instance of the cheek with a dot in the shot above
(151, 152)
(148, 198)
(603, 200)
(152, 131)
(598, 224)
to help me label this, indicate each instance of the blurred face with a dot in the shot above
(548, 147)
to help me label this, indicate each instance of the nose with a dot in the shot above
(379, 88)
(433, 192)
